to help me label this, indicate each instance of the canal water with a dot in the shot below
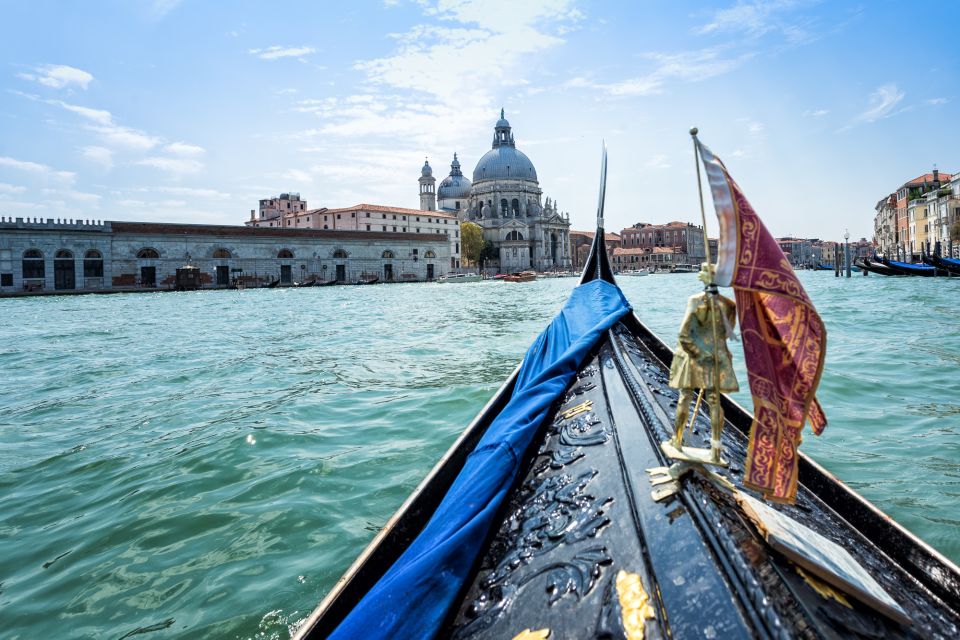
(206, 464)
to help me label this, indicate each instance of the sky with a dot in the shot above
(192, 111)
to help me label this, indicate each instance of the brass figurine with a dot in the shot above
(702, 362)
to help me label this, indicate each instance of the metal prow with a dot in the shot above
(597, 265)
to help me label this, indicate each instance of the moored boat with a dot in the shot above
(369, 280)
(576, 543)
(879, 268)
(950, 266)
(635, 272)
(325, 283)
(910, 269)
(460, 277)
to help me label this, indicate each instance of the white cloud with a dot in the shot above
(99, 155)
(11, 188)
(59, 76)
(126, 137)
(760, 17)
(687, 66)
(176, 166)
(881, 103)
(276, 51)
(935, 101)
(211, 194)
(96, 115)
(79, 196)
(815, 113)
(184, 149)
(36, 168)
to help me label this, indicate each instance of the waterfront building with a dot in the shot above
(885, 225)
(802, 252)
(54, 255)
(504, 198)
(580, 242)
(272, 210)
(910, 215)
(377, 218)
(683, 238)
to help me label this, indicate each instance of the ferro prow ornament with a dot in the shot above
(703, 363)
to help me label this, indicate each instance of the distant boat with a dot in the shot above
(685, 268)
(373, 280)
(308, 283)
(272, 285)
(460, 277)
(523, 276)
(635, 272)
(325, 283)
(824, 267)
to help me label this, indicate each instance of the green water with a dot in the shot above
(208, 463)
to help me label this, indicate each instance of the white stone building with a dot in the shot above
(50, 255)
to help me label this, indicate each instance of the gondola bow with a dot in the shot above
(413, 597)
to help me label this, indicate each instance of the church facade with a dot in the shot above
(504, 198)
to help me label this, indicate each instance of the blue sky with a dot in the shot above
(191, 111)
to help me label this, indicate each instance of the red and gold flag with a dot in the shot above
(784, 340)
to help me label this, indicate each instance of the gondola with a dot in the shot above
(326, 283)
(879, 268)
(910, 269)
(308, 283)
(949, 265)
(272, 285)
(581, 546)
(373, 280)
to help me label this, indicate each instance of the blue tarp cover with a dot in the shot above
(413, 597)
(908, 265)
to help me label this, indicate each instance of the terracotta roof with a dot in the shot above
(928, 177)
(589, 234)
(231, 230)
(379, 208)
(666, 250)
(632, 251)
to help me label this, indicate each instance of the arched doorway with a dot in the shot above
(92, 269)
(33, 269)
(554, 246)
(222, 270)
(148, 272)
(64, 270)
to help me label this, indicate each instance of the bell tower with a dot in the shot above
(428, 192)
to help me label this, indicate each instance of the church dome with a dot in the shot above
(427, 171)
(455, 185)
(504, 160)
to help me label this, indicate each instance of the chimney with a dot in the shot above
(936, 177)
(253, 215)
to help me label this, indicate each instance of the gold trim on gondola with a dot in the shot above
(634, 604)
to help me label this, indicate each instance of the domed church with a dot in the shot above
(504, 199)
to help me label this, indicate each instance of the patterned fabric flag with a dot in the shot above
(784, 340)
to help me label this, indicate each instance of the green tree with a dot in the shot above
(471, 243)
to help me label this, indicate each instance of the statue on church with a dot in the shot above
(702, 362)
(485, 211)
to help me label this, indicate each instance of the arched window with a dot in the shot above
(515, 207)
(32, 264)
(514, 236)
(340, 253)
(222, 253)
(429, 254)
(285, 253)
(148, 254)
(504, 207)
(387, 255)
(63, 254)
(93, 264)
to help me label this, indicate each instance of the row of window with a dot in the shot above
(33, 265)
